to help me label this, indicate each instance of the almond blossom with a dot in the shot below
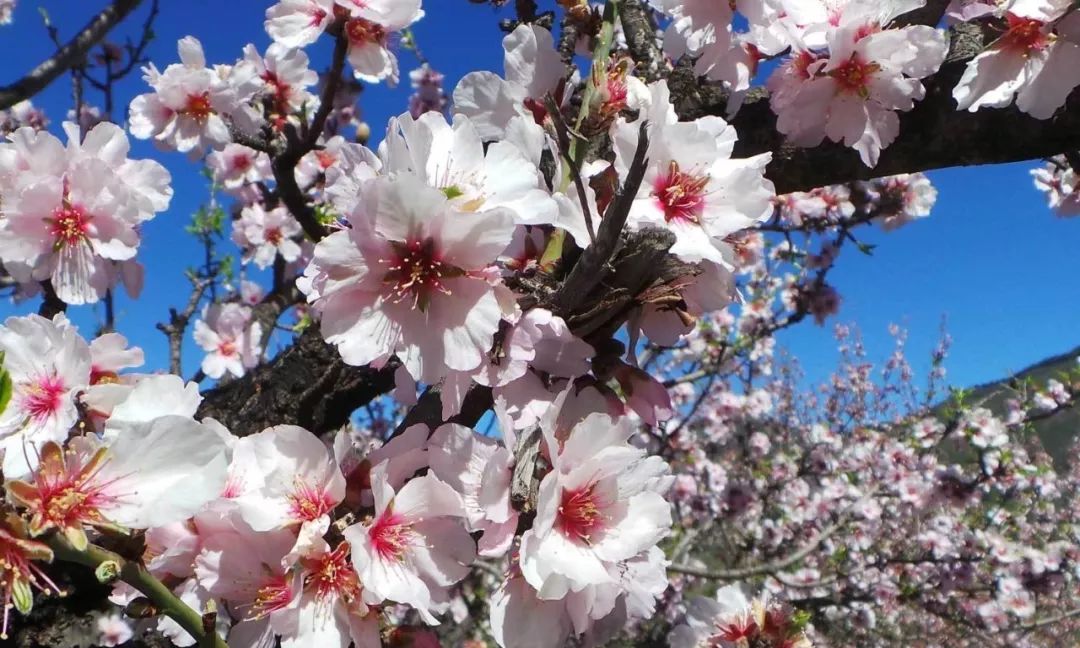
(191, 105)
(409, 278)
(20, 574)
(533, 70)
(852, 92)
(690, 184)
(331, 608)
(478, 468)
(368, 28)
(237, 165)
(599, 505)
(152, 474)
(284, 476)
(1036, 59)
(231, 339)
(453, 159)
(286, 78)
(48, 363)
(296, 23)
(416, 546)
(267, 234)
(72, 216)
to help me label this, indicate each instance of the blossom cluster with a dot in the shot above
(576, 260)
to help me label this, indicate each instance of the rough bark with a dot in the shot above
(306, 385)
(934, 135)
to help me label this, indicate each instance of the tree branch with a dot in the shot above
(934, 135)
(69, 55)
(778, 565)
(136, 575)
(307, 385)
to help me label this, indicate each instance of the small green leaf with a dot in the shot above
(5, 385)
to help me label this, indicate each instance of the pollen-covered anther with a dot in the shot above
(69, 225)
(681, 194)
(854, 76)
(43, 398)
(333, 575)
(391, 536)
(579, 514)
(1025, 34)
(198, 107)
(416, 271)
(307, 502)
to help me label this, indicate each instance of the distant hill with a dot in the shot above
(1057, 432)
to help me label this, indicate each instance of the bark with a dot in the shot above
(306, 385)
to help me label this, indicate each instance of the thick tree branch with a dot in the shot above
(934, 135)
(641, 39)
(307, 385)
(69, 56)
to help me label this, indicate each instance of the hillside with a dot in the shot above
(1057, 432)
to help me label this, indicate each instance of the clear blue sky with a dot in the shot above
(991, 258)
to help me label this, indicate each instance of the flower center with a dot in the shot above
(198, 107)
(332, 574)
(681, 195)
(274, 595)
(579, 515)
(390, 536)
(68, 225)
(43, 398)
(326, 159)
(227, 348)
(854, 75)
(241, 162)
(415, 270)
(1024, 34)
(307, 502)
(274, 235)
(360, 32)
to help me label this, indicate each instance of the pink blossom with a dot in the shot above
(191, 105)
(237, 165)
(416, 545)
(852, 93)
(48, 363)
(409, 278)
(268, 233)
(231, 339)
(1037, 60)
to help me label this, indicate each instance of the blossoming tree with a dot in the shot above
(530, 395)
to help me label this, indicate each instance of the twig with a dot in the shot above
(136, 575)
(69, 55)
(50, 303)
(589, 269)
(1057, 618)
(563, 133)
(178, 322)
(779, 565)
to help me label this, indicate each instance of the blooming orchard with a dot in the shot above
(532, 396)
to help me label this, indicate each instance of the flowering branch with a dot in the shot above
(69, 56)
(106, 563)
(739, 573)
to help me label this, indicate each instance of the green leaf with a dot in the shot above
(5, 385)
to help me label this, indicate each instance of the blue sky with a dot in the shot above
(991, 258)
